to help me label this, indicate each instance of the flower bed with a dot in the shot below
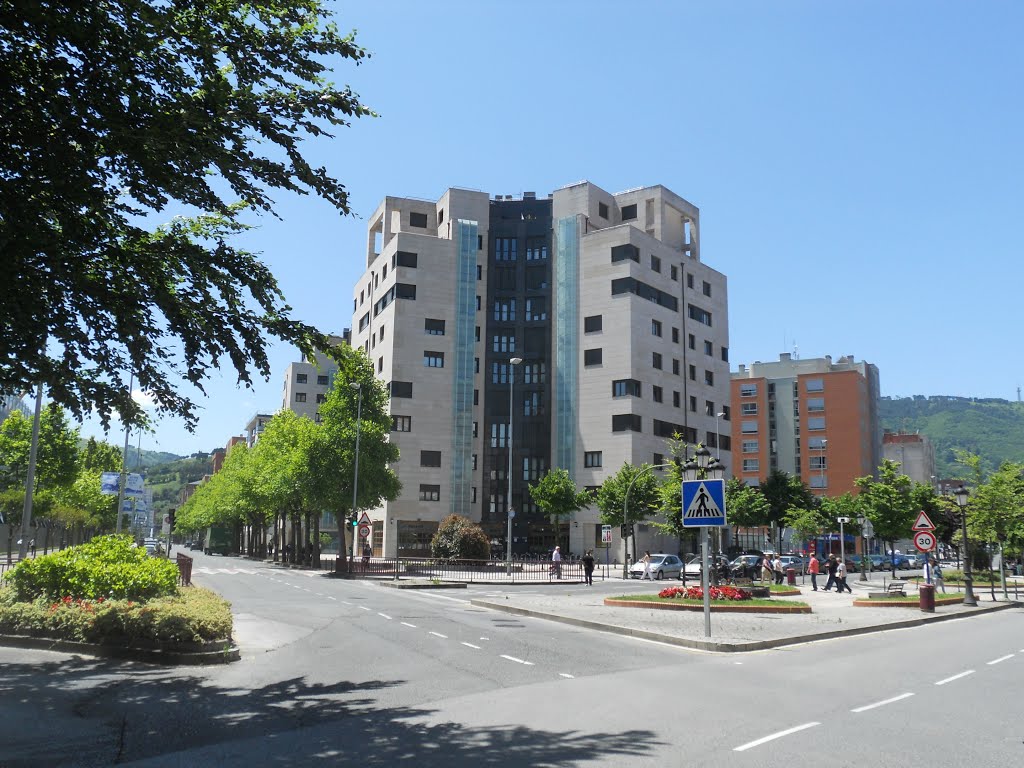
(696, 593)
(721, 605)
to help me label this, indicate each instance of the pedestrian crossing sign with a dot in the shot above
(703, 503)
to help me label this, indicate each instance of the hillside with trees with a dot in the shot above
(988, 427)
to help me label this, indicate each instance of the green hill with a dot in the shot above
(989, 427)
(167, 479)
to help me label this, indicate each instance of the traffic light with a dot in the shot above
(624, 531)
(171, 514)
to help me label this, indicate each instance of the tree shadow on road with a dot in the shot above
(87, 712)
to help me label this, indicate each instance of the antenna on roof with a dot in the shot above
(796, 351)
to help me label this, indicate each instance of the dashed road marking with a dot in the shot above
(955, 677)
(567, 676)
(773, 736)
(407, 624)
(517, 661)
(384, 615)
(883, 703)
(470, 645)
(438, 634)
(1001, 658)
(363, 608)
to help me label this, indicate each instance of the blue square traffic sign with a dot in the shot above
(703, 503)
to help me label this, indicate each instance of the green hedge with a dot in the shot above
(108, 567)
(193, 616)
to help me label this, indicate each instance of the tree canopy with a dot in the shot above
(121, 111)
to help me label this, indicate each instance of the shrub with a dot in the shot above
(696, 593)
(108, 567)
(194, 615)
(458, 538)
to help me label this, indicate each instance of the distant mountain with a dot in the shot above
(989, 427)
(167, 479)
(149, 458)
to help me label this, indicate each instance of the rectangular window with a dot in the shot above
(659, 459)
(655, 263)
(751, 465)
(818, 481)
(592, 356)
(400, 388)
(815, 385)
(626, 422)
(748, 409)
(748, 390)
(657, 394)
(629, 212)
(499, 373)
(819, 463)
(322, 381)
(667, 428)
(533, 404)
(691, 341)
(709, 349)
(707, 288)
(709, 408)
(499, 434)
(417, 220)
(748, 427)
(602, 210)
(674, 272)
(689, 281)
(626, 388)
(404, 259)
(430, 458)
(503, 343)
(592, 459)
(433, 359)
(693, 404)
(656, 327)
(505, 310)
(533, 468)
(401, 423)
(592, 324)
(505, 249)
(433, 327)
(725, 354)
(693, 372)
(536, 248)
(675, 366)
(656, 360)
(815, 404)
(698, 314)
(816, 423)
(751, 446)
(675, 399)
(535, 373)
(537, 308)
(300, 378)
(320, 398)
(430, 492)
(623, 285)
(675, 335)
(816, 443)
(440, 217)
(300, 397)
(625, 252)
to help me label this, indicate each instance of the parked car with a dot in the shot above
(917, 559)
(875, 562)
(693, 567)
(662, 567)
(746, 567)
(902, 562)
(795, 562)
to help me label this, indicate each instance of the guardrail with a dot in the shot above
(471, 571)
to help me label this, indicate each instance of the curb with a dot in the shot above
(420, 585)
(717, 606)
(708, 645)
(146, 655)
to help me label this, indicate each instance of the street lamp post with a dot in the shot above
(701, 467)
(718, 439)
(513, 362)
(358, 387)
(961, 495)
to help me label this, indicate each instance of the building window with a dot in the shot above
(725, 354)
(629, 212)
(818, 481)
(748, 409)
(400, 388)
(693, 372)
(433, 327)
(433, 359)
(675, 335)
(626, 388)
(748, 427)
(536, 249)
(655, 263)
(500, 343)
(535, 373)
(430, 458)
(693, 403)
(656, 394)
(499, 373)
(404, 259)
(505, 248)
(401, 423)
(658, 459)
(815, 385)
(592, 324)
(474, 462)
(499, 434)
(815, 404)
(656, 360)
(707, 288)
(300, 397)
(537, 309)
(709, 408)
(674, 272)
(592, 356)
(751, 465)
(675, 399)
(602, 210)
(418, 220)
(322, 381)
(709, 349)
(300, 378)
(691, 341)
(320, 398)
(689, 281)
(430, 492)
(440, 217)
(675, 366)
(533, 404)
(505, 310)
(625, 252)
(534, 468)
(592, 459)
(656, 327)
(819, 463)
(748, 390)
(698, 314)
(816, 443)
(626, 422)
(751, 446)
(816, 423)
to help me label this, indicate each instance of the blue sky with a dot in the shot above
(857, 166)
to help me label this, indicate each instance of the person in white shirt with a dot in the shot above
(556, 562)
(646, 560)
(841, 578)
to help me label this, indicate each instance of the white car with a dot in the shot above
(694, 566)
(662, 567)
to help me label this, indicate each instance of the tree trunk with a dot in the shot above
(316, 541)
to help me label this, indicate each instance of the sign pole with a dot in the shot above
(707, 580)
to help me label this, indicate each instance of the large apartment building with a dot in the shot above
(815, 419)
(307, 382)
(914, 453)
(577, 331)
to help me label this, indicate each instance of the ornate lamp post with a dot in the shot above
(358, 387)
(962, 495)
(704, 466)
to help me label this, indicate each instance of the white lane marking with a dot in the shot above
(319, 594)
(485, 638)
(563, 674)
(407, 624)
(955, 677)
(346, 602)
(470, 645)
(738, 663)
(773, 736)
(384, 615)
(363, 608)
(883, 703)
(517, 661)
(438, 634)
(1001, 658)
(331, 598)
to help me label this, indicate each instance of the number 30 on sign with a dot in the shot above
(924, 541)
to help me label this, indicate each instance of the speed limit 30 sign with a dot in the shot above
(924, 541)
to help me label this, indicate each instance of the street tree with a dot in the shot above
(99, 456)
(997, 507)
(124, 112)
(888, 502)
(458, 538)
(644, 498)
(745, 505)
(783, 493)
(559, 498)
(56, 455)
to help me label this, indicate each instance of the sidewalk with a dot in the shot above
(833, 615)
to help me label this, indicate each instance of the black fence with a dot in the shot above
(472, 571)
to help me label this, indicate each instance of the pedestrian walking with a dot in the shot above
(588, 567)
(831, 567)
(646, 560)
(777, 569)
(812, 568)
(937, 575)
(766, 568)
(841, 578)
(556, 562)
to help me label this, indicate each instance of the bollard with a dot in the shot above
(927, 594)
(791, 576)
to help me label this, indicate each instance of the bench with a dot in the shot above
(895, 588)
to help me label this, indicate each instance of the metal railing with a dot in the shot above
(471, 571)
(184, 570)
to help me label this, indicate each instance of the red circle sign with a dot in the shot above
(924, 541)
(364, 531)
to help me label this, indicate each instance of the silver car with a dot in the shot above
(662, 567)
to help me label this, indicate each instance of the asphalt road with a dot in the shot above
(338, 672)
